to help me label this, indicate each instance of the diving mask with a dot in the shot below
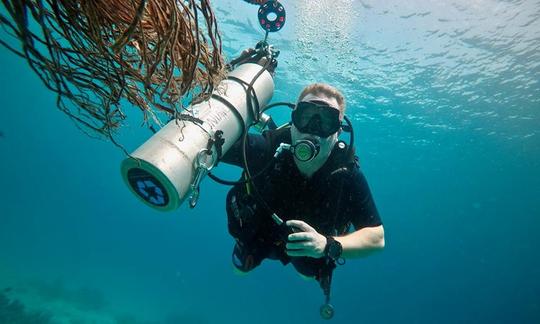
(317, 119)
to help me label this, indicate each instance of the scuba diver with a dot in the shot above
(311, 204)
(302, 198)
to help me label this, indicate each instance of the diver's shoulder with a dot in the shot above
(274, 137)
(356, 174)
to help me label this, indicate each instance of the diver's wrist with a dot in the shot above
(333, 248)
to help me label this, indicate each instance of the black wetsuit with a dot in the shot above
(332, 204)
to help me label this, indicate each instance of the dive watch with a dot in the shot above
(333, 249)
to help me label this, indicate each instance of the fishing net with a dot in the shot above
(95, 53)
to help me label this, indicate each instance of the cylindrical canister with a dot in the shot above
(161, 170)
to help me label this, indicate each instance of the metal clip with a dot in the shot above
(202, 169)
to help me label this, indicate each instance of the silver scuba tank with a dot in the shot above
(170, 165)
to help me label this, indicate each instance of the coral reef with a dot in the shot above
(14, 312)
(83, 298)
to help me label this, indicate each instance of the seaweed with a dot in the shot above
(13, 311)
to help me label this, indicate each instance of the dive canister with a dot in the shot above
(162, 170)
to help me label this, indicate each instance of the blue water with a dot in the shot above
(445, 100)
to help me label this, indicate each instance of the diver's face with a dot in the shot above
(326, 143)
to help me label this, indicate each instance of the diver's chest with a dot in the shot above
(301, 199)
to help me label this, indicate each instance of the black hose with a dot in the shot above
(351, 130)
(250, 96)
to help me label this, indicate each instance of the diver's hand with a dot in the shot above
(306, 241)
(251, 55)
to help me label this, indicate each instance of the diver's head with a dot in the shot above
(316, 119)
(329, 94)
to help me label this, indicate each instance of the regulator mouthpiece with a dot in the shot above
(306, 150)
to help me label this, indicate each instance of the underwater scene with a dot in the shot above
(444, 101)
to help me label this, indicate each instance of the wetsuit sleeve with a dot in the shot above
(363, 209)
(258, 152)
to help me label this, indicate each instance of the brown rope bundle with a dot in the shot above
(94, 53)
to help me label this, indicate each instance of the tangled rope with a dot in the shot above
(95, 53)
